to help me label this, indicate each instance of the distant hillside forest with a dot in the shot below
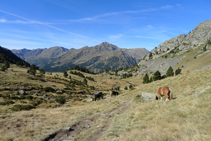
(7, 56)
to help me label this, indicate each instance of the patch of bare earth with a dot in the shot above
(90, 129)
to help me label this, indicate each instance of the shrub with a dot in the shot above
(178, 71)
(131, 87)
(48, 89)
(126, 88)
(29, 97)
(65, 74)
(7, 102)
(61, 100)
(3, 68)
(22, 107)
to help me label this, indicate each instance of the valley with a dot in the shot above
(58, 103)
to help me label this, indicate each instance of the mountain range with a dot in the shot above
(96, 58)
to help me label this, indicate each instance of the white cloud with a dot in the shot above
(113, 37)
(3, 20)
(150, 26)
(38, 22)
(167, 7)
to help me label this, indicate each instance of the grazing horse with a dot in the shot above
(98, 95)
(114, 93)
(164, 91)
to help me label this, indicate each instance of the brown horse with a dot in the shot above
(164, 91)
(114, 93)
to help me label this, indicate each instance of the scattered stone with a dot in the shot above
(44, 95)
(148, 96)
(89, 100)
(69, 101)
(35, 94)
(21, 92)
(59, 92)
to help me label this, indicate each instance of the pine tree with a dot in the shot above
(146, 78)
(85, 81)
(178, 71)
(65, 74)
(170, 72)
(7, 64)
(157, 75)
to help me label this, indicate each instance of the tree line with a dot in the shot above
(157, 75)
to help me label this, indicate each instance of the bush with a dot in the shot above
(126, 88)
(178, 71)
(61, 100)
(29, 97)
(48, 89)
(130, 86)
(3, 68)
(65, 74)
(7, 102)
(22, 107)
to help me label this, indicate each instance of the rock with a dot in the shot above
(148, 96)
(59, 92)
(69, 101)
(44, 95)
(89, 100)
(21, 92)
(36, 94)
(38, 91)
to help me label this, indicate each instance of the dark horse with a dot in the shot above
(98, 95)
(114, 93)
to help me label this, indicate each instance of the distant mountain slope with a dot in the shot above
(7, 55)
(40, 57)
(99, 57)
(182, 51)
(96, 58)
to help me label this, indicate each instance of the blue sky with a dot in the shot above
(35, 24)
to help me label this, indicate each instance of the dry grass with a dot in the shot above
(187, 117)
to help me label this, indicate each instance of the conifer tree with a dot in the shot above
(146, 78)
(157, 75)
(170, 72)
(65, 74)
(178, 71)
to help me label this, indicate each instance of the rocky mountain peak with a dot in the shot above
(106, 46)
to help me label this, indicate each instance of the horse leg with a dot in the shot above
(161, 98)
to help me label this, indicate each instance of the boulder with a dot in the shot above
(148, 96)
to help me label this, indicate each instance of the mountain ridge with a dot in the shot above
(174, 51)
(93, 57)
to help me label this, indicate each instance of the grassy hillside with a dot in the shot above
(125, 117)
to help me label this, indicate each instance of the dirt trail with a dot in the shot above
(89, 125)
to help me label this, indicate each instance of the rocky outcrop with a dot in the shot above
(167, 53)
(165, 47)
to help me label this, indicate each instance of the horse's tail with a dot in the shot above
(171, 94)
